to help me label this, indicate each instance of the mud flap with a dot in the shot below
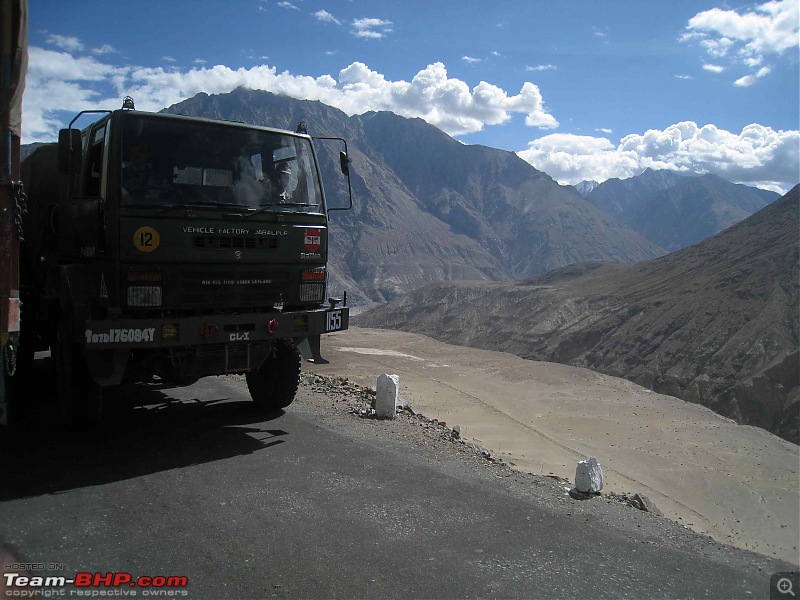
(309, 350)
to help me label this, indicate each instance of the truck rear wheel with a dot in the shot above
(274, 385)
(80, 398)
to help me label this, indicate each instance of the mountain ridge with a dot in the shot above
(676, 210)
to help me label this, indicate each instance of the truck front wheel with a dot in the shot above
(79, 397)
(274, 385)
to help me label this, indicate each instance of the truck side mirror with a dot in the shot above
(344, 163)
(69, 151)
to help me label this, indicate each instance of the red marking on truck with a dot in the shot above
(313, 239)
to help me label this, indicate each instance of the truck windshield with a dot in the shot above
(168, 162)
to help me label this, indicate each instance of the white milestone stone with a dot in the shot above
(386, 396)
(589, 476)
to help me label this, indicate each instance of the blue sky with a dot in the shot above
(583, 89)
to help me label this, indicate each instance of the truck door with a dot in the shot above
(80, 217)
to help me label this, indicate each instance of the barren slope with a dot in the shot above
(715, 323)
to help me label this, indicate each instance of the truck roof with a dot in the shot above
(179, 116)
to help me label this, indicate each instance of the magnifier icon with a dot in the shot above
(785, 586)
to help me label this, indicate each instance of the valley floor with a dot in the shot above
(738, 484)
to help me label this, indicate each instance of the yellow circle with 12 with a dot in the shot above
(146, 239)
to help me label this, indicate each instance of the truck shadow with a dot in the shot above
(144, 430)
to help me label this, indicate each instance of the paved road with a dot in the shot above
(316, 503)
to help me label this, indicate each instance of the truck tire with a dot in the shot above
(274, 385)
(79, 397)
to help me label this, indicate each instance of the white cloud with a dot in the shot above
(714, 68)
(104, 49)
(470, 60)
(770, 29)
(757, 155)
(70, 44)
(324, 16)
(445, 102)
(542, 68)
(371, 28)
(684, 77)
(749, 80)
(717, 48)
(51, 65)
(288, 5)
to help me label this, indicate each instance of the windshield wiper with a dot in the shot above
(199, 204)
(266, 207)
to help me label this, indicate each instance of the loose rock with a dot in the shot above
(589, 476)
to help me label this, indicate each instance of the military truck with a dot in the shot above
(168, 248)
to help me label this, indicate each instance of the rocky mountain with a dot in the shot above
(584, 188)
(429, 208)
(676, 211)
(715, 323)
(618, 196)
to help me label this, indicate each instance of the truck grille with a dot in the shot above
(217, 242)
(229, 289)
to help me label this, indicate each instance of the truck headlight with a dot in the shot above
(144, 296)
(144, 289)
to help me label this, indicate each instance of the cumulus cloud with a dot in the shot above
(747, 38)
(325, 17)
(371, 28)
(59, 81)
(758, 155)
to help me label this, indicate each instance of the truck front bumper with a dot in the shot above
(152, 333)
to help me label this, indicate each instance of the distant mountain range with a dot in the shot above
(715, 323)
(675, 210)
(429, 208)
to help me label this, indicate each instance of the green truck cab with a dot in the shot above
(168, 246)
